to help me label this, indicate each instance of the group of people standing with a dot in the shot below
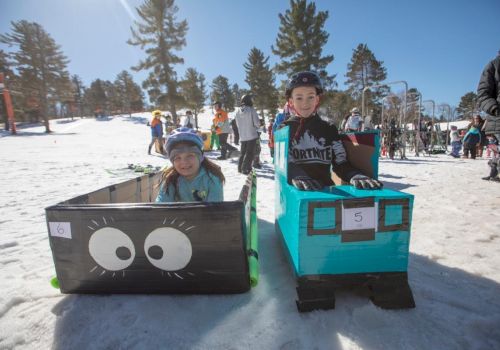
(157, 126)
(473, 140)
(485, 132)
(193, 177)
(315, 144)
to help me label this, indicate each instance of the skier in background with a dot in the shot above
(354, 122)
(456, 142)
(248, 124)
(471, 139)
(189, 121)
(156, 131)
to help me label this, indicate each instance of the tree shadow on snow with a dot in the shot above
(417, 161)
(135, 119)
(103, 119)
(455, 309)
(40, 133)
(67, 121)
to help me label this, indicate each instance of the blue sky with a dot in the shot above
(439, 47)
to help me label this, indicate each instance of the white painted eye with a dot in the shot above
(111, 248)
(168, 249)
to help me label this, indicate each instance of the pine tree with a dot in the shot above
(64, 96)
(338, 104)
(301, 39)
(39, 61)
(237, 92)
(159, 35)
(260, 79)
(78, 90)
(95, 97)
(467, 105)
(129, 94)
(222, 93)
(365, 70)
(193, 90)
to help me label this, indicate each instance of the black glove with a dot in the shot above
(364, 182)
(305, 183)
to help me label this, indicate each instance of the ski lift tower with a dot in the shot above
(402, 117)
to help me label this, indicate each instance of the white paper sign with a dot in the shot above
(60, 229)
(359, 218)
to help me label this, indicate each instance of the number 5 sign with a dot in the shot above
(359, 215)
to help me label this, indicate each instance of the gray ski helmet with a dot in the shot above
(183, 134)
(246, 100)
(305, 78)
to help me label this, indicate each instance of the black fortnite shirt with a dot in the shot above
(314, 147)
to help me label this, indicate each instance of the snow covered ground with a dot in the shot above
(453, 266)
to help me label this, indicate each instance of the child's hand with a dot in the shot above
(305, 183)
(363, 182)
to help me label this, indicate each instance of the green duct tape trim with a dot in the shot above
(253, 261)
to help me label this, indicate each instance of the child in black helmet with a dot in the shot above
(315, 144)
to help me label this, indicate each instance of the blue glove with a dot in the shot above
(305, 183)
(363, 182)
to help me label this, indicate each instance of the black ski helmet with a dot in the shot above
(305, 78)
(246, 100)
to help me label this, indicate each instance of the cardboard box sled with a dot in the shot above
(115, 240)
(344, 237)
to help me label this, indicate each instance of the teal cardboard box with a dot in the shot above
(342, 235)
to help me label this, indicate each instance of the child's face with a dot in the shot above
(187, 164)
(304, 100)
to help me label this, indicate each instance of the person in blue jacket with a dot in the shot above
(471, 140)
(156, 130)
(192, 177)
